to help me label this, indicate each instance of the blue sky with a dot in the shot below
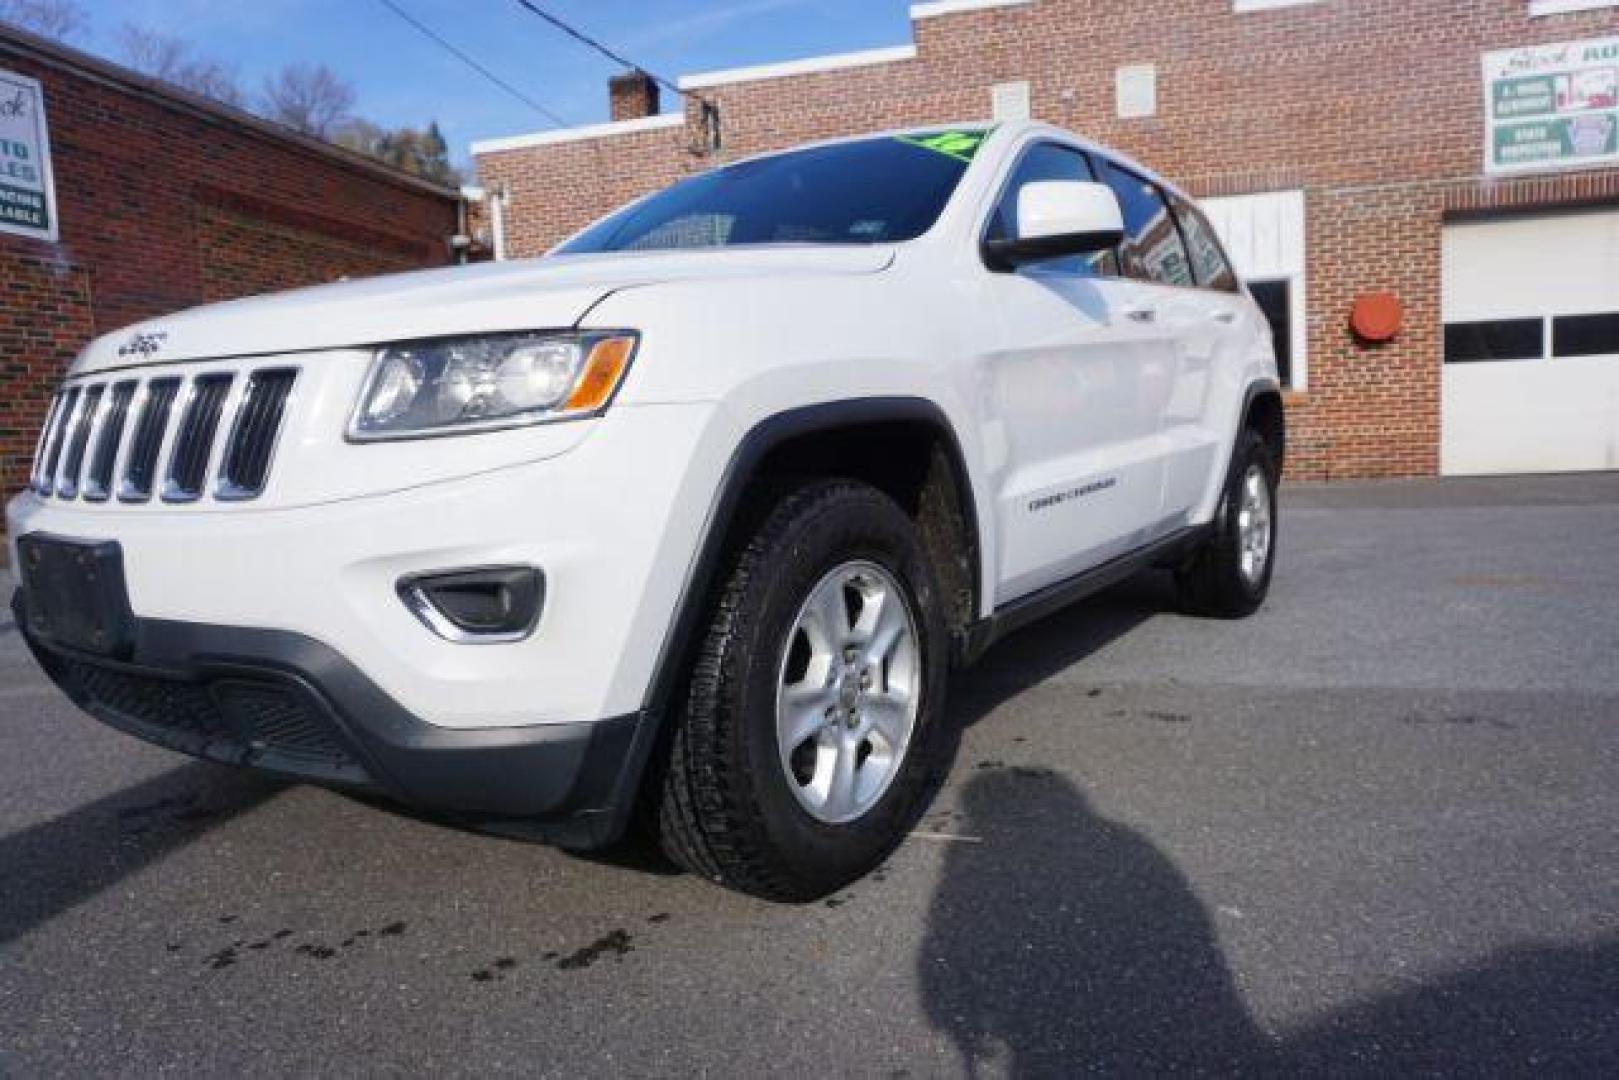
(403, 78)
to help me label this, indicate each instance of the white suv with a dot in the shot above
(691, 516)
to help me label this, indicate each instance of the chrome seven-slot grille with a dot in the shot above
(131, 437)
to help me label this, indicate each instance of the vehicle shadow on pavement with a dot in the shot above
(58, 864)
(1054, 644)
(1065, 942)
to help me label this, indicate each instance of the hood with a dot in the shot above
(553, 292)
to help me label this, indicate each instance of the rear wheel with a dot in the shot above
(811, 721)
(1229, 577)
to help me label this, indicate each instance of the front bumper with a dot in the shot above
(283, 703)
(612, 525)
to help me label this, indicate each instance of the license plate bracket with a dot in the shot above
(76, 596)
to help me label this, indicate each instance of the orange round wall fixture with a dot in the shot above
(1377, 317)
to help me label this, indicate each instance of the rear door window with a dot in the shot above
(1152, 249)
(1209, 263)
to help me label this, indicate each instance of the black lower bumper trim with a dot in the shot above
(284, 703)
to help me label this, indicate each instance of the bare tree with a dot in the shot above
(166, 57)
(60, 20)
(308, 98)
(419, 152)
(158, 55)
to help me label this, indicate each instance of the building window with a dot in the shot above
(1585, 335)
(1570, 336)
(1495, 339)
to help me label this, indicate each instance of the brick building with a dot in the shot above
(1345, 148)
(165, 200)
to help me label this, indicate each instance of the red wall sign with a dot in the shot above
(1377, 317)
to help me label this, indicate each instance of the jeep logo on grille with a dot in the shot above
(144, 344)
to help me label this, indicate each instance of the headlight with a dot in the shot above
(454, 385)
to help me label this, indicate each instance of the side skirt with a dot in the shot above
(1169, 551)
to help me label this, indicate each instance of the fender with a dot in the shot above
(739, 472)
(686, 625)
(1267, 390)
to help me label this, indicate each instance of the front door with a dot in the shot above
(1072, 400)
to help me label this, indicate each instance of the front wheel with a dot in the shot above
(808, 731)
(1229, 576)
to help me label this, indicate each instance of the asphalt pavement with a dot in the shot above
(1370, 831)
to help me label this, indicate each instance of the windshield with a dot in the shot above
(875, 191)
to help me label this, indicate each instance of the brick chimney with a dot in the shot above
(634, 96)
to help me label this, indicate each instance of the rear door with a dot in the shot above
(1222, 331)
(1071, 400)
(1205, 328)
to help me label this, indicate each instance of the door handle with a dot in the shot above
(1142, 315)
(1228, 318)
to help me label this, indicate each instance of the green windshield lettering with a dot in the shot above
(961, 145)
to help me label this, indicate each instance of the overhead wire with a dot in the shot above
(464, 57)
(710, 111)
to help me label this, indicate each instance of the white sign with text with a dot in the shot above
(27, 191)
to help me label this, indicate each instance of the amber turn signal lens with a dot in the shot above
(603, 370)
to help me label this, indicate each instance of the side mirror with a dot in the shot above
(1059, 218)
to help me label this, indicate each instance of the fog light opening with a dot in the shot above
(488, 605)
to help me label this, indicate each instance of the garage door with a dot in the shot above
(1531, 379)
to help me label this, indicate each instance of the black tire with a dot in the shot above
(1211, 583)
(720, 803)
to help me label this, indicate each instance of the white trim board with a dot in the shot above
(786, 69)
(1541, 8)
(960, 7)
(575, 134)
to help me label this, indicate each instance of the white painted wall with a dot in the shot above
(1546, 415)
(1264, 236)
